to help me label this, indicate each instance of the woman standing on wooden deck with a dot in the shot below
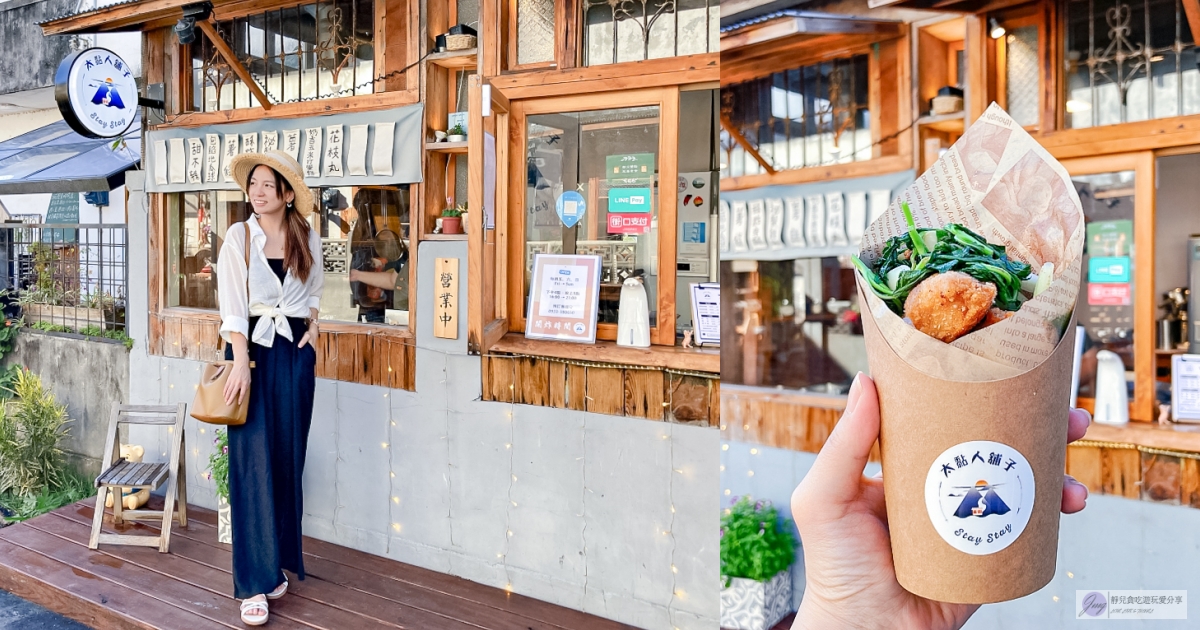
(266, 455)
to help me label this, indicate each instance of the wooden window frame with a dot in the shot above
(1142, 407)
(888, 56)
(513, 215)
(404, 89)
(997, 78)
(194, 334)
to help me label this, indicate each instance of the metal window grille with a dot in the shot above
(69, 274)
(617, 31)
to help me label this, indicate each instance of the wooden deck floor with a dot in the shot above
(46, 560)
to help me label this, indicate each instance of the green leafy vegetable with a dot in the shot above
(955, 248)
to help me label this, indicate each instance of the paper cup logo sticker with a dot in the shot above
(979, 496)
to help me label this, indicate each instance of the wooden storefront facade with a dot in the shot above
(1105, 87)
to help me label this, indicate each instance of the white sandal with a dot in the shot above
(279, 591)
(254, 613)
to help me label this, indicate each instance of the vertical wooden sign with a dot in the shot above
(445, 298)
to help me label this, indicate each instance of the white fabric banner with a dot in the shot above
(856, 216)
(195, 160)
(250, 142)
(333, 151)
(270, 141)
(178, 158)
(814, 229)
(160, 162)
(835, 220)
(794, 232)
(231, 150)
(312, 152)
(737, 236)
(212, 157)
(291, 143)
(723, 228)
(381, 157)
(757, 230)
(775, 223)
(356, 153)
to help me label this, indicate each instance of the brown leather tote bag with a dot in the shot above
(209, 404)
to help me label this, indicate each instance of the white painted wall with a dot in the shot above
(600, 508)
(1113, 544)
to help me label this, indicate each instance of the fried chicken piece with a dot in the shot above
(946, 306)
(995, 316)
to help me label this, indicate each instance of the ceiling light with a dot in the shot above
(995, 30)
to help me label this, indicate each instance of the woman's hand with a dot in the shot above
(237, 386)
(850, 578)
(310, 335)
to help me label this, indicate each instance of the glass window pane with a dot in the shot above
(571, 152)
(365, 244)
(1128, 61)
(1021, 74)
(619, 32)
(792, 323)
(197, 222)
(535, 31)
(1106, 308)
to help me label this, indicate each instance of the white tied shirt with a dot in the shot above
(270, 300)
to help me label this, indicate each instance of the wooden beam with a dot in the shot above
(234, 63)
(867, 168)
(808, 27)
(734, 133)
(1192, 9)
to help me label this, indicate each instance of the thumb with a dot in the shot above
(837, 474)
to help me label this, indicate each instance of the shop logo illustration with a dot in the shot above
(107, 95)
(979, 496)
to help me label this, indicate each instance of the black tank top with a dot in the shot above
(278, 268)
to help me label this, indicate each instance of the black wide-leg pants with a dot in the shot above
(266, 463)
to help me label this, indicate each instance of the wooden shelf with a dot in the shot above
(456, 59)
(446, 147)
(445, 237)
(950, 123)
(706, 360)
(1179, 437)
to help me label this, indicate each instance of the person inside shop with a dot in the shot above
(378, 258)
(850, 581)
(269, 315)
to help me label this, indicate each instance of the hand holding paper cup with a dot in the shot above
(963, 316)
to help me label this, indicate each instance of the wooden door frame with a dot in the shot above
(1142, 407)
(667, 100)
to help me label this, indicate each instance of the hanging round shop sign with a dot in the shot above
(96, 93)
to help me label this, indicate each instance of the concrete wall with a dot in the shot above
(31, 58)
(1113, 544)
(588, 511)
(88, 376)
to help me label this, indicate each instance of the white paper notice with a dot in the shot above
(270, 141)
(856, 216)
(250, 142)
(1185, 387)
(333, 151)
(178, 161)
(723, 228)
(835, 219)
(230, 151)
(814, 229)
(775, 223)
(312, 152)
(195, 160)
(793, 233)
(564, 292)
(356, 153)
(737, 235)
(291, 143)
(160, 162)
(381, 157)
(706, 312)
(212, 157)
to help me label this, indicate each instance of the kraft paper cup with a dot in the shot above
(983, 528)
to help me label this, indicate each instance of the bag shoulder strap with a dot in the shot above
(247, 256)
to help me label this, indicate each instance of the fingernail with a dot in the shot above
(855, 393)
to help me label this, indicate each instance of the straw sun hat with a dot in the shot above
(287, 166)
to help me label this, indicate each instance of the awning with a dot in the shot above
(56, 159)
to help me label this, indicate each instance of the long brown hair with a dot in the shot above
(296, 255)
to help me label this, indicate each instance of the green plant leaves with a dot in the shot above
(755, 543)
(30, 429)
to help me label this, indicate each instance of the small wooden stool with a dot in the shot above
(119, 473)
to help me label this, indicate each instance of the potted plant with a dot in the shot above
(757, 551)
(218, 472)
(451, 221)
(456, 133)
